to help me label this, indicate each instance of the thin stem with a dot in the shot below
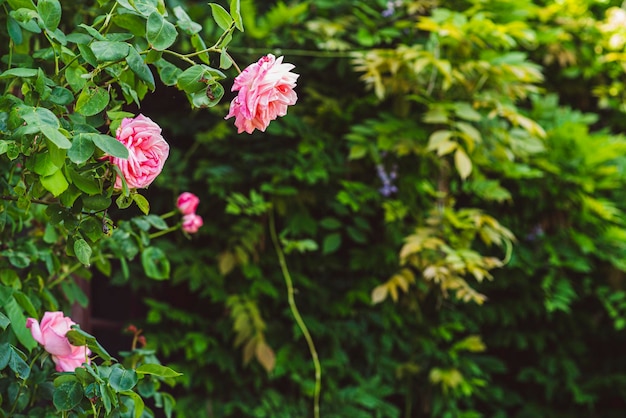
(66, 274)
(39, 201)
(300, 52)
(297, 317)
(180, 56)
(163, 232)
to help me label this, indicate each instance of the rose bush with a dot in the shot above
(70, 152)
(265, 91)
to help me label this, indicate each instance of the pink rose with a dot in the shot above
(147, 152)
(51, 334)
(265, 90)
(191, 223)
(187, 203)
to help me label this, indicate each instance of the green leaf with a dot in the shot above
(142, 203)
(140, 68)
(4, 323)
(82, 148)
(92, 100)
(5, 350)
(19, 72)
(15, 31)
(168, 72)
(38, 117)
(108, 144)
(96, 203)
(331, 243)
(160, 33)
(185, 23)
(18, 365)
(225, 61)
(42, 164)
(25, 302)
(330, 223)
(138, 404)
(157, 370)
(55, 183)
(122, 379)
(56, 137)
(189, 80)
(74, 78)
(78, 337)
(462, 163)
(83, 251)
(235, 12)
(61, 96)
(18, 324)
(67, 395)
(155, 263)
(145, 7)
(87, 184)
(109, 51)
(221, 16)
(50, 13)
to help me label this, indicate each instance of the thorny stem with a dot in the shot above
(297, 317)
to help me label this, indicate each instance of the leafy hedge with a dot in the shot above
(448, 194)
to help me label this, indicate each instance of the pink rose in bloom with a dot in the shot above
(51, 334)
(147, 152)
(191, 223)
(265, 90)
(187, 203)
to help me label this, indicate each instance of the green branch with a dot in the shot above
(296, 315)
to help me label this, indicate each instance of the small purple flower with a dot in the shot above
(388, 187)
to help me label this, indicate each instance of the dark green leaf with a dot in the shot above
(160, 33)
(331, 243)
(96, 203)
(122, 379)
(109, 51)
(18, 324)
(61, 96)
(18, 365)
(67, 395)
(86, 184)
(155, 263)
(139, 67)
(92, 100)
(78, 337)
(82, 148)
(15, 31)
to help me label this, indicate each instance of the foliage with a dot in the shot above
(69, 74)
(441, 154)
(448, 194)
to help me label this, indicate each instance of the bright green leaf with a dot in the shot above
(55, 183)
(221, 16)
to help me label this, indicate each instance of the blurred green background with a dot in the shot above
(459, 163)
